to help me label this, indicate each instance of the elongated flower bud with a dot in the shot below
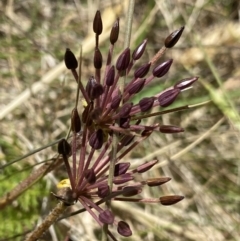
(106, 217)
(114, 32)
(185, 83)
(168, 97)
(146, 166)
(136, 87)
(146, 103)
(103, 190)
(116, 101)
(173, 38)
(124, 229)
(142, 70)
(121, 168)
(130, 191)
(110, 76)
(123, 60)
(138, 52)
(64, 148)
(97, 61)
(75, 121)
(169, 129)
(152, 182)
(96, 139)
(162, 68)
(97, 23)
(170, 200)
(70, 59)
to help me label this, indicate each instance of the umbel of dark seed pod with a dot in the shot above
(111, 111)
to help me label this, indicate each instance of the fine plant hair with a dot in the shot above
(107, 129)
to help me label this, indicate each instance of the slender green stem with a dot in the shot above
(29, 154)
(79, 76)
(128, 31)
(129, 20)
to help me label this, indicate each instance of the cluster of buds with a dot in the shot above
(109, 112)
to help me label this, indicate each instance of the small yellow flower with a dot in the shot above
(64, 183)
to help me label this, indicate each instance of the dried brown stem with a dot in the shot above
(37, 174)
(49, 220)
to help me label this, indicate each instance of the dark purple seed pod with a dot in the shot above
(146, 103)
(116, 102)
(169, 129)
(109, 58)
(64, 148)
(123, 60)
(106, 217)
(110, 76)
(75, 121)
(122, 179)
(146, 166)
(162, 68)
(185, 83)
(90, 176)
(125, 110)
(142, 71)
(130, 191)
(121, 168)
(97, 60)
(173, 38)
(170, 200)
(114, 32)
(124, 229)
(136, 86)
(103, 190)
(96, 139)
(138, 52)
(97, 23)
(168, 97)
(153, 182)
(70, 59)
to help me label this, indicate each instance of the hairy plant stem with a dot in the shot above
(129, 21)
(50, 219)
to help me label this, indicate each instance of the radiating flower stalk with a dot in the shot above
(109, 111)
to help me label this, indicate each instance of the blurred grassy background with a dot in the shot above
(37, 95)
